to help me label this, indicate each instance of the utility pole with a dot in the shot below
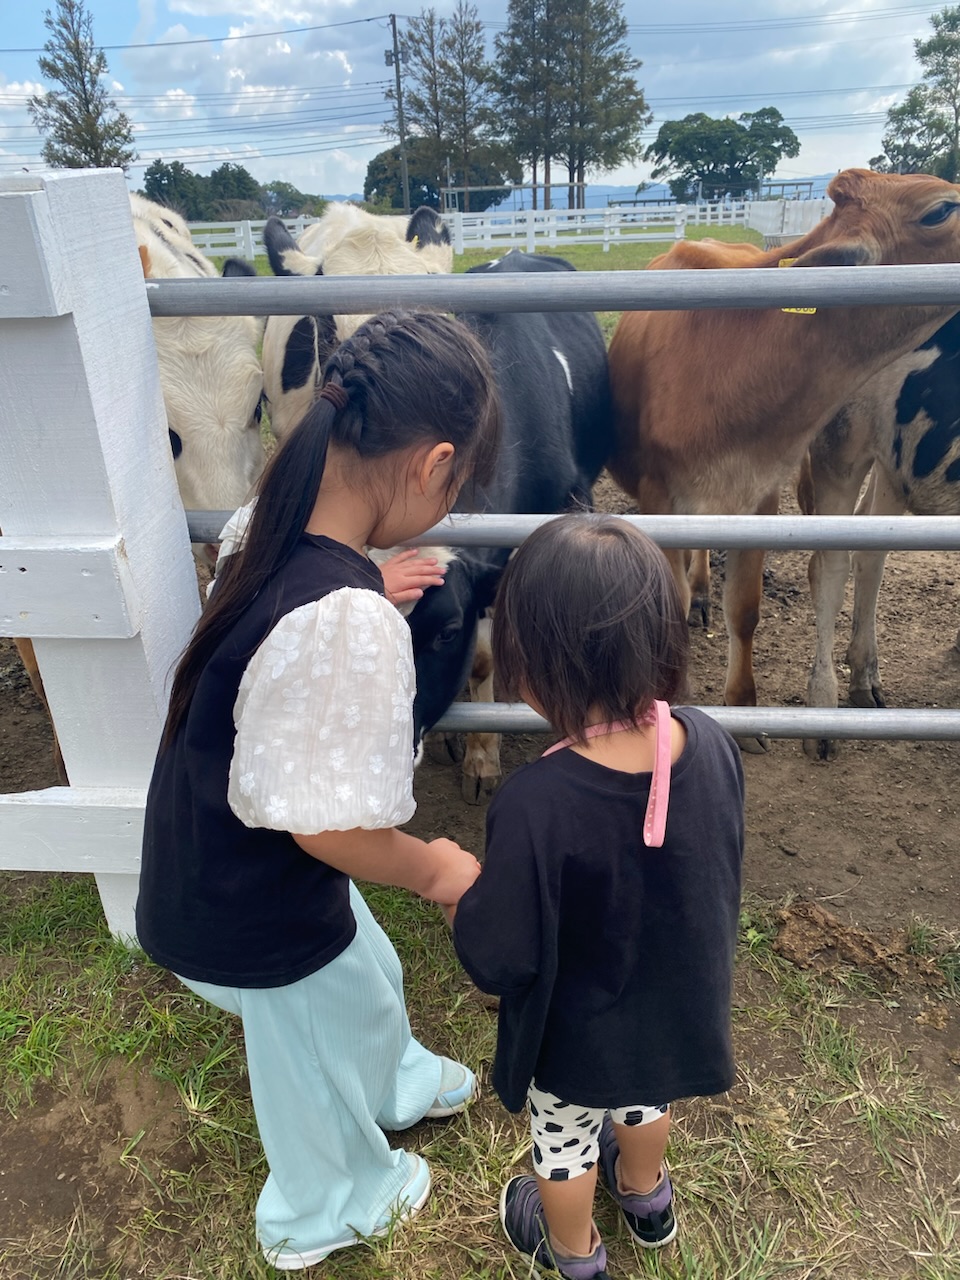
(392, 59)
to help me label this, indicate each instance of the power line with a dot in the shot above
(249, 35)
(763, 24)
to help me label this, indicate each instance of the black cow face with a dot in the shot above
(444, 629)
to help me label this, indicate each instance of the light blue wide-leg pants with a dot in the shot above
(331, 1060)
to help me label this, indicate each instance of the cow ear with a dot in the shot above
(426, 227)
(144, 253)
(238, 267)
(848, 187)
(280, 244)
(850, 253)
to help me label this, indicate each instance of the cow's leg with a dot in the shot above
(698, 575)
(443, 748)
(481, 761)
(866, 689)
(836, 471)
(742, 591)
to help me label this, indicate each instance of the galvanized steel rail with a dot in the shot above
(742, 288)
(774, 533)
(738, 288)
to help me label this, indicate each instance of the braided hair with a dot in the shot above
(402, 379)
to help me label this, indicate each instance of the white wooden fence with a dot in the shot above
(95, 559)
(530, 228)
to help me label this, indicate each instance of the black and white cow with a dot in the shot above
(905, 422)
(209, 368)
(551, 373)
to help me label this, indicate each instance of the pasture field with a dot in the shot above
(127, 1141)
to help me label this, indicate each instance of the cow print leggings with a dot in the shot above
(566, 1141)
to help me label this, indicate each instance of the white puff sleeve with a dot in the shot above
(324, 717)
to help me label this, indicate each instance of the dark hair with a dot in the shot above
(407, 378)
(588, 617)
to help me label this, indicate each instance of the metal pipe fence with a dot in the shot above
(737, 288)
(773, 533)
(741, 288)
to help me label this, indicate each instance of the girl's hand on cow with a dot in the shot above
(454, 872)
(407, 575)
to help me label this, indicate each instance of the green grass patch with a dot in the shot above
(760, 1173)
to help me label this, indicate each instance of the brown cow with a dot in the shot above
(715, 409)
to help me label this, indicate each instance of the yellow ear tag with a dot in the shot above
(415, 242)
(795, 311)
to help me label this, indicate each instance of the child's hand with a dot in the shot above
(455, 871)
(407, 575)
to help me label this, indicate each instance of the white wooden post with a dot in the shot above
(95, 560)
(680, 223)
(246, 241)
(526, 216)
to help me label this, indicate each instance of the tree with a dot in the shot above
(467, 82)
(600, 110)
(491, 166)
(176, 187)
(424, 100)
(284, 200)
(923, 132)
(720, 156)
(520, 82)
(82, 127)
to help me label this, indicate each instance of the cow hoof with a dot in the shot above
(870, 697)
(699, 615)
(754, 745)
(444, 748)
(820, 749)
(476, 790)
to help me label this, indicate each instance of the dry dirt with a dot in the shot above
(871, 839)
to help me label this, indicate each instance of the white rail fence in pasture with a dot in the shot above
(95, 561)
(529, 228)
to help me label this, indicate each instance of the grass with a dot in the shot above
(830, 1158)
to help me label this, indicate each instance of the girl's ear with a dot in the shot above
(434, 467)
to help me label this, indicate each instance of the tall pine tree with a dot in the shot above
(601, 112)
(468, 85)
(81, 125)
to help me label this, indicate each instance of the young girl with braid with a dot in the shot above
(285, 768)
(605, 923)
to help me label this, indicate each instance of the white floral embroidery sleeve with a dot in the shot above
(324, 717)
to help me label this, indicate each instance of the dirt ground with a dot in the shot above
(873, 838)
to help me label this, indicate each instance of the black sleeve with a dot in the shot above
(498, 926)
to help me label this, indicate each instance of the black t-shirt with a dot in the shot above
(221, 902)
(613, 961)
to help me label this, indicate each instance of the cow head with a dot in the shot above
(345, 241)
(884, 219)
(210, 375)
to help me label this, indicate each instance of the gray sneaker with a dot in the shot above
(649, 1217)
(521, 1212)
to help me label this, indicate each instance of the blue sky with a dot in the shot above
(307, 106)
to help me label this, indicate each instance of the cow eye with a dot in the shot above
(258, 411)
(938, 214)
(447, 635)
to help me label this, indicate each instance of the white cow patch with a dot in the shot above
(564, 365)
